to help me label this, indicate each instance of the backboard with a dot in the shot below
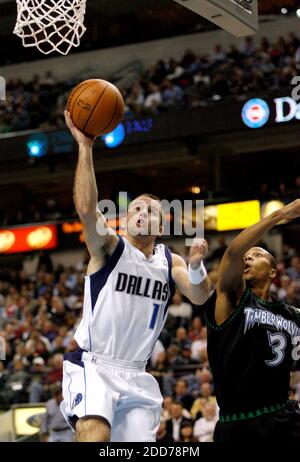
(239, 17)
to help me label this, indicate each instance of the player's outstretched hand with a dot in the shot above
(292, 210)
(80, 137)
(198, 252)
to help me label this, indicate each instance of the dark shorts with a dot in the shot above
(283, 424)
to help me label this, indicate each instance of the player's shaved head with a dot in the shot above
(265, 253)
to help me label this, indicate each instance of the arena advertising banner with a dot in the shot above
(28, 238)
(257, 112)
(221, 118)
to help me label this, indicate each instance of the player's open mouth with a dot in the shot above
(247, 267)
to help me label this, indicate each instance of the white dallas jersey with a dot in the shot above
(126, 302)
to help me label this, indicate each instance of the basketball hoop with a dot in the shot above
(50, 25)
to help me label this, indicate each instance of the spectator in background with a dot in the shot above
(161, 372)
(173, 426)
(204, 375)
(48, 81)
(181, 339)
(49, 330)
(45, 262)
(188, 361)
(56, 367)
(37, 345)
(180, 312)
(171, 94)
(166, 408)
(294, 270)
(247, 47)
(156, 353)
(199, 345)
(285, 282)
(58, 311)
(38, 375)
(153, 99)
(136, 98)
(218, 54)
(181, 394)
(162, 435)
(206, 396)
(287, 253)
(186, 433)
(292, 295)
(195, 329)
(58, 345)
(54, 428)
(17, 383)
(205, 426)
(176, 70)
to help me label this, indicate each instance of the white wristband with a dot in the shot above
(198, 275)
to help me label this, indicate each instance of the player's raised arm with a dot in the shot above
(192, 281)
(86, 199)
(231, 283)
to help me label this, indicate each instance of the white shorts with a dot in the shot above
(119, 391)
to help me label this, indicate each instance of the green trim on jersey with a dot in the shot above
(273, 304)
(252, 414)
(233, 315)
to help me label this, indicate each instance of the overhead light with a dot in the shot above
(114, 138)
(298, 12)
(37, 145)
(284, 11)
(270, 207)
(195, 189)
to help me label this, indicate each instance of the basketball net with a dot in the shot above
(50, 25)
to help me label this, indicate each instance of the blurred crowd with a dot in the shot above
(36, 210)
(192, 81)
(39, 313)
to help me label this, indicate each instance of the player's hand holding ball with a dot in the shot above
(79, 137)
(95, 107)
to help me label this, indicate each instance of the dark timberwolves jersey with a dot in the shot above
(251, 355)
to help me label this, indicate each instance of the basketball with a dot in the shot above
(96, 107)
